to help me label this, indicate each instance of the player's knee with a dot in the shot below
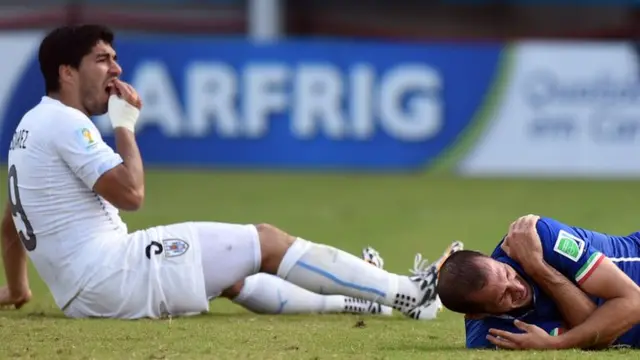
(273, 245)
(271, 235)
(233, 291)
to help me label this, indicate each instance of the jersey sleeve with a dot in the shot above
(80, 145)
(477, 330)
(568, 250)
(476, 334)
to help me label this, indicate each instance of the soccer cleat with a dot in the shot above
(353, 305)
(359, 306)
(372, 256)
(425, 276)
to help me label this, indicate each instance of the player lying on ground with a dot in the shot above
(66, 186)
(540, 281)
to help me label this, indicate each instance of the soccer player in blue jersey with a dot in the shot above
(547, 285)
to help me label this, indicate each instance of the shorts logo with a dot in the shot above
(569, 246)
(174, 247)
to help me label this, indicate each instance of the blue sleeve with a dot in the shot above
(477, 330)
(568, 249)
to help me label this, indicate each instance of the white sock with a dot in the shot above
(327, 270)
(268, 294)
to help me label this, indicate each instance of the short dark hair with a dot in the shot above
(67, 45)
(461, 275)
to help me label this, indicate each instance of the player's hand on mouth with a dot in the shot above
(126, 92)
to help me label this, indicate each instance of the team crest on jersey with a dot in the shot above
(174, 247)
(87, 138)
(569, 246)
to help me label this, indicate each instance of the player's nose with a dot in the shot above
(115, 69)
(514, 285)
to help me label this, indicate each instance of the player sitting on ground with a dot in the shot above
(66, 186)
(540, 281)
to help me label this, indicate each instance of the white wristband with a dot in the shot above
(122, 114)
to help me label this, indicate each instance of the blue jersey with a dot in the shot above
(576, 253)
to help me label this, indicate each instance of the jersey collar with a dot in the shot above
(51, 101)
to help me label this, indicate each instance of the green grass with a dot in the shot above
(399, 215)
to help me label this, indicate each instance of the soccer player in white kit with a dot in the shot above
(66, 187)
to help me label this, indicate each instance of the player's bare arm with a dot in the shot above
(523, 245)
(616, 316)
(16, 292)
(123, 186)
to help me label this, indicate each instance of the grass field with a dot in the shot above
(399, 215)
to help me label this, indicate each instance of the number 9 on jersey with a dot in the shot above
(28, 239)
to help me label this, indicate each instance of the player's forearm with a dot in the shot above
(606, 324)
(127, 147)
(15, 262)
(574, 305)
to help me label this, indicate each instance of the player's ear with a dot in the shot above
(65, 73)
(474, 316)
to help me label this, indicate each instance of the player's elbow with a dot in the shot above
(629, 299)
(633, 304)
(7, 226)
(132, 200)
(9, 234)
(8, 230)
(628, 306)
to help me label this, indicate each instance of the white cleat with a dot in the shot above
(426, 276)
(372, 256)
(354, 305)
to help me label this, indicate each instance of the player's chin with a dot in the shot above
(103, 104)
(101, 108)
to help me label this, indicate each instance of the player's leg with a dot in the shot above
(329, 270)
(231, 253)
(264, 293)
(268, 294)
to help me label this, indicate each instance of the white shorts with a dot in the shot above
(169, 270)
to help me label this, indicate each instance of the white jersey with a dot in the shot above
(56, 156)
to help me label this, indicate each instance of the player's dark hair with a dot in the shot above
(461, 275)
(67, 45)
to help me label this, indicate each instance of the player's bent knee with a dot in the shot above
(273, 245)
(233, 291)
(271, 235)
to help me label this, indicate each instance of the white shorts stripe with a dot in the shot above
(629, 259)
